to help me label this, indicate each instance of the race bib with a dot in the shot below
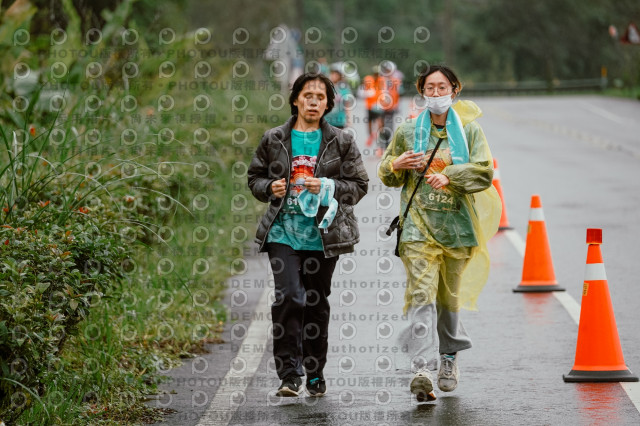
(439, 200)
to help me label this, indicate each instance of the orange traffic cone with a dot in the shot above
(537, 271)
(504, 220)
(598, 352)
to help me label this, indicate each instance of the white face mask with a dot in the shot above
(439, 105)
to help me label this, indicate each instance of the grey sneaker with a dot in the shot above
(422, 386)
(448, 374)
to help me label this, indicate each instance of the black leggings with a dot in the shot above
(301, 311)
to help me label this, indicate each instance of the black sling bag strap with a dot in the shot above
(395, 223)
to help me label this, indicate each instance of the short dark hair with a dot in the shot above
(448, 72)
(298, 85)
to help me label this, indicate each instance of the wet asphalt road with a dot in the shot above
(582, 155)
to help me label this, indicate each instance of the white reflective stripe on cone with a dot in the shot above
(536, 215)
(496, 174)
(595, 272)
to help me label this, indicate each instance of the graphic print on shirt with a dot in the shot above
(437, 199)
(301, 168)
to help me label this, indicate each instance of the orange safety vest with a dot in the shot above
(381, 87)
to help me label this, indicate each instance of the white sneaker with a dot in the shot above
(448, 374)
(422, 386)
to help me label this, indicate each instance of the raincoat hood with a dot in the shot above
(467, 111)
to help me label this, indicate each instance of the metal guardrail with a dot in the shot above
(517, 87)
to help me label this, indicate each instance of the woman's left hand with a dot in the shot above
(437, 181)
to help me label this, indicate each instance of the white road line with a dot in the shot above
(516, 240)
(232, 391)
(604, 113)
(569, 303)
(631, 388)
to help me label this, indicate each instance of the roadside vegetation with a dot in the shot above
(117, 178)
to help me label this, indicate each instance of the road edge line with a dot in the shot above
(255, 336)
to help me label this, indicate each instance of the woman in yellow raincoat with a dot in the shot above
(453, 214)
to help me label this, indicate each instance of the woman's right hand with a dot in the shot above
(409, 160)
(279, 188)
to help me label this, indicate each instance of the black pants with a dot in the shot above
(300, 312)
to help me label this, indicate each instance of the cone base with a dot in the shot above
(600, 376)
(504, 228)
(534, 288)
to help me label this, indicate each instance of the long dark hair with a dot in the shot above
(298, 85)
(448, 72)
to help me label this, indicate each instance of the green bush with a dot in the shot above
(50, 276)
(157, 186)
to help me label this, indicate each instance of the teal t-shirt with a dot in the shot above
(338, 115)
(291, 227)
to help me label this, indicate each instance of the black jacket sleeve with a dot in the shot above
(258, 174)
(353, 182)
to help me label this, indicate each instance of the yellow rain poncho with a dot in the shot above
(443, 243)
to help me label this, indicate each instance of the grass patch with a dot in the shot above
(134, 186)
(623, 92)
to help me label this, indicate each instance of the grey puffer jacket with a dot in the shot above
(338, 159)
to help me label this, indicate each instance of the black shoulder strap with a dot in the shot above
(395, 224)
(424, 172)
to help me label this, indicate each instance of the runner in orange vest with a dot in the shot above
(374, 90)
(394, 87)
